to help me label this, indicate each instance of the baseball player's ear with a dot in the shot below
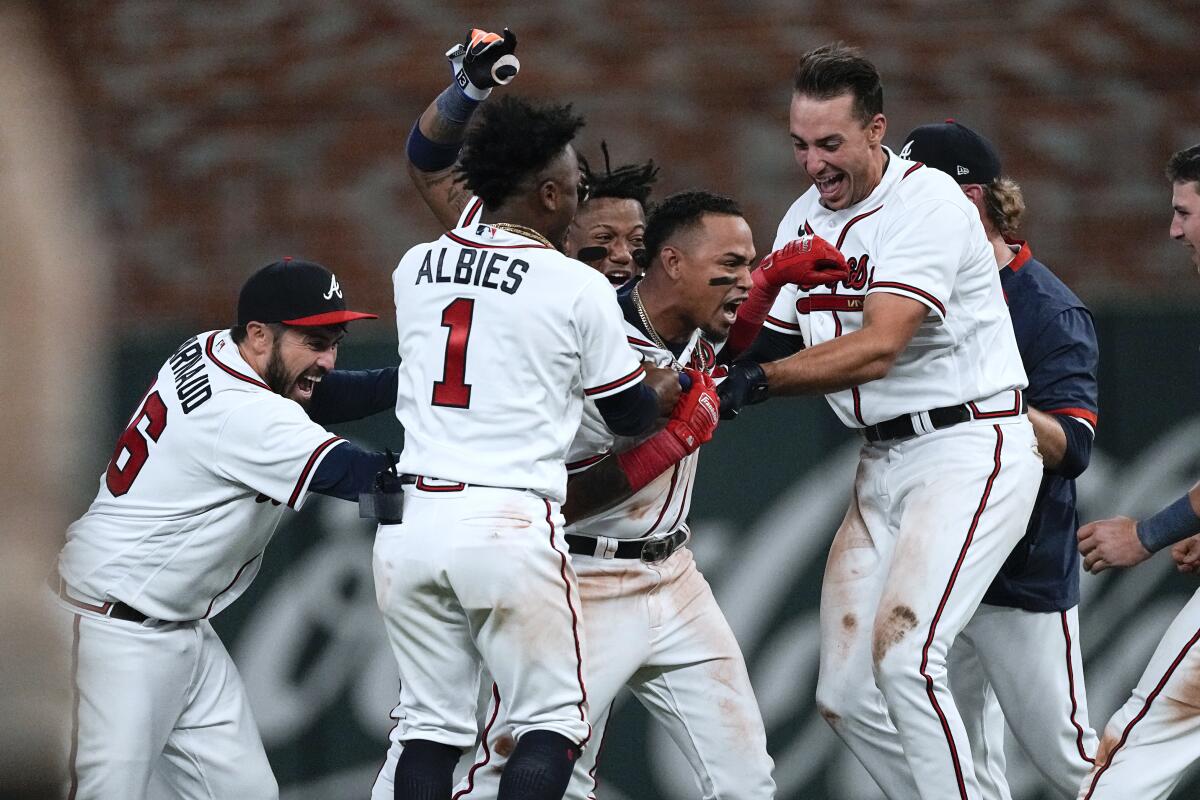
(877, 128)
(550, 194)
(671, 260)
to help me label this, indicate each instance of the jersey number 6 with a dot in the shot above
(452, 391)
(120, 478)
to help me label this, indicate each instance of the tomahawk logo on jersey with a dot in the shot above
(473, 378)
(662, 505)
(209, 443)
(892, 246)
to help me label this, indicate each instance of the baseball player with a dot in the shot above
(1155, 736)
(500, 337)
(915, 351)
(609, 229)
(1022, 646)
(218, 448)
(651, 621)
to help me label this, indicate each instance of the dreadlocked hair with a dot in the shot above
(511, 141)
(627, 182)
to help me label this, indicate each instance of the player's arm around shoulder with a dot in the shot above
(478, 64)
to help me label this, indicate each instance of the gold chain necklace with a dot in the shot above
(521, 230)
(641, 309)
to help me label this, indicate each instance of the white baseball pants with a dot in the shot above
(931, 521)
(481, 575)
(159, 698)
(1155, 736)
(1024, 667)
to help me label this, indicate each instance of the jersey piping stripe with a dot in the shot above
(683, 504)
(208, 351)
(241, 569)
(933, 301)
(666, 502)
(74, 708)
(912, 169)
(617, 384)
(1008, 412)
(1071, 688)
(587, 462)
(1145, 709)
(639, 342)
(1082, 413)
(468, 243)
(312, 460)
(846, 228)
(471, 213)
(483, 739)
(778, 323)
(962, 556)
(562, 557)
(854, 393)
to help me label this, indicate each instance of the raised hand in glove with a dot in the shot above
(744, 385)
(484, 61)
(808, 262)
(691, 424)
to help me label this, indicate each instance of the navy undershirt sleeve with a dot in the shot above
(772, 345)
(346, 395)
(629, 412)
(1079, 448)
(347, 471)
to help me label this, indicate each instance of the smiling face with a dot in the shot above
(1185, 221)
(842, 155)
(616, 224)
(710, 266)
(300, 358)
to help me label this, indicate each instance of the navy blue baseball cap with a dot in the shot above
(954, 149)
(299, 293)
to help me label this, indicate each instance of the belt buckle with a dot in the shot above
(657, 550)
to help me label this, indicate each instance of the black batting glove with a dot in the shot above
(744, 385)
(484, 61)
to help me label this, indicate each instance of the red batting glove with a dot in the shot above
(808, 262)
(691, 424)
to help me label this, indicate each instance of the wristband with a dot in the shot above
(651, 458)
(750, 318)
(428, 155)
(1173, 524)
(455, 105)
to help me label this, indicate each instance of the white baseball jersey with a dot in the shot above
(662, 505)
(500, 338)
(195, 488)
(916, 235)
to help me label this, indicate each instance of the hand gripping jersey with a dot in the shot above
(662, 505)
(917, 236)
(195, 488)
(500, 337)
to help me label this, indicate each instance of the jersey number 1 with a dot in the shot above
(452, 390)
(120, 478)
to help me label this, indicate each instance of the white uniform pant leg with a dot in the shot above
(616, 629)
(1156, 735)
(215, 750)
(847, 696)
(981, 716)
(960, 500)
(482, 574)
(1033, 663)
(696, 685)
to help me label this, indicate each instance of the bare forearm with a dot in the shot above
(832, 366)
(599, 488)
(1051, 438)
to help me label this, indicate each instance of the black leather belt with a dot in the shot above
(902, 427)
(650, 551)
(117, 610)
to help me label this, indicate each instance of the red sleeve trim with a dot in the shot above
(778, 323)
(208, 350)
(618, 383)
(933, 301)
(312, 460)
(1082, 413)
(912, 169)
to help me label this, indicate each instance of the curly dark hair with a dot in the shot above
(835, 69)
(1184, 166)
(511, 141)
(684, 210)
(627, 182)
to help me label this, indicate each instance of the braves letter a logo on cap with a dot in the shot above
(334, 288)
(906, 150)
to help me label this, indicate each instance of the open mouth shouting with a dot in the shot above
(830, 186)
(305, 385)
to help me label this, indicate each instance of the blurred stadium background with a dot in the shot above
(154, 152)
